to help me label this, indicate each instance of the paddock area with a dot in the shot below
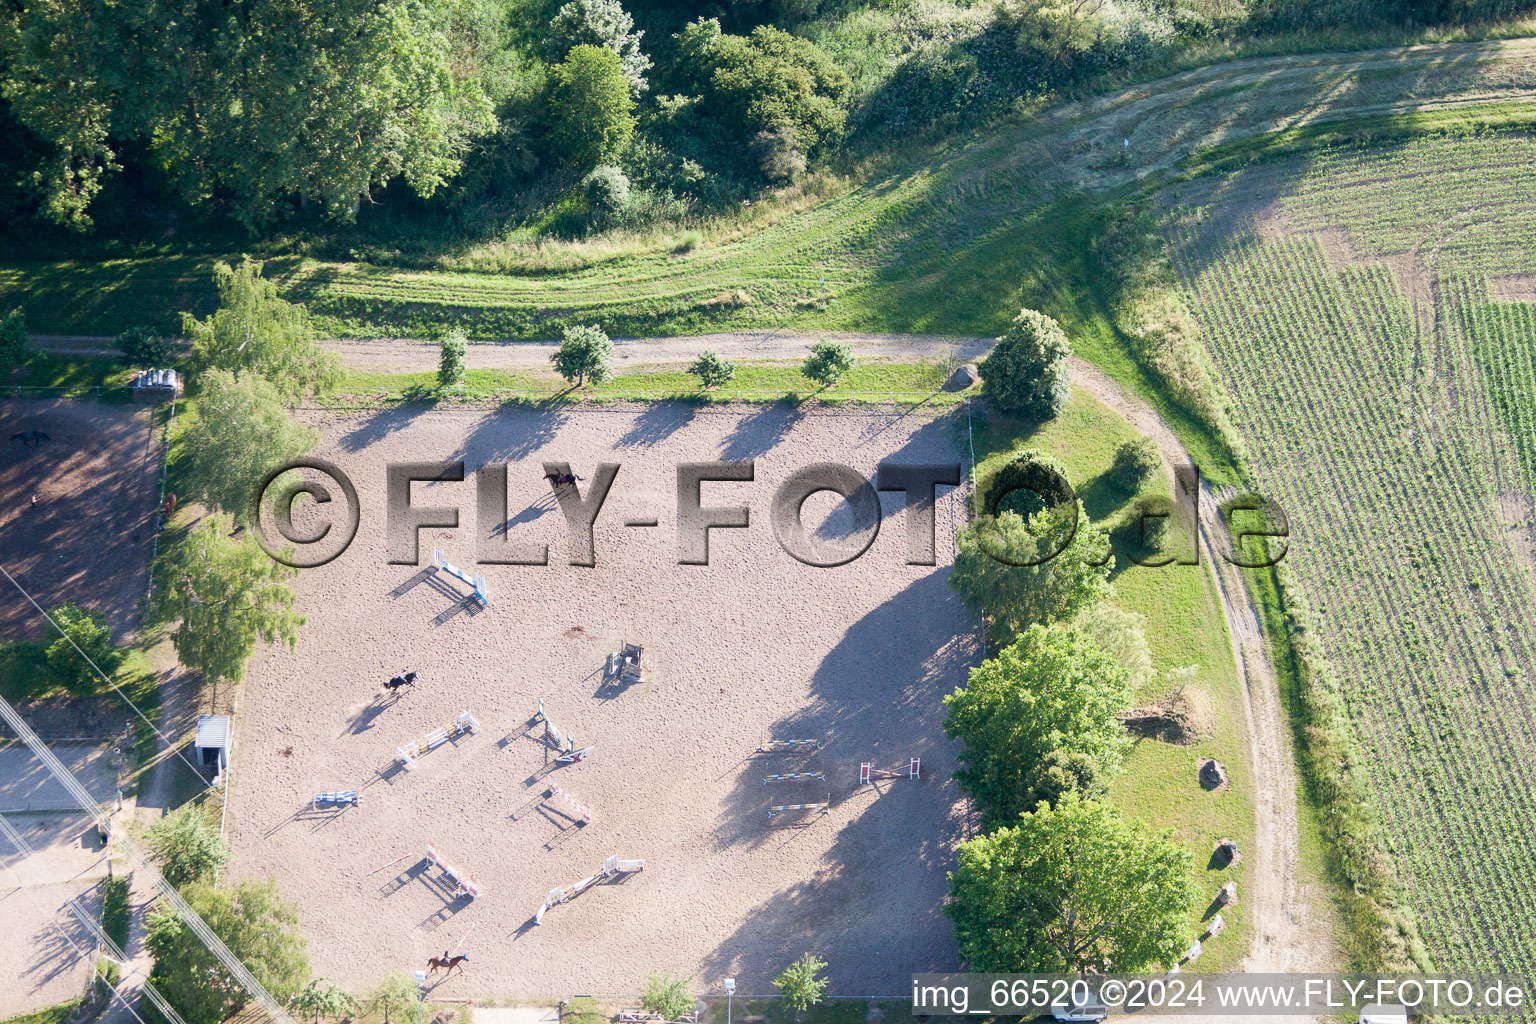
(753, 647)
(78, 487)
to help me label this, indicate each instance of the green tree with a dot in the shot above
(252, 104)
(1123, 636)
(602, 23)
(608, 196)
(712, 370)
(993, 575)
(668, 996)
(1027, 371)
(765, 82)
(227, 594)
(828, 362)
(592, 112)
(89, 632)
(395, 996)
(584, 352)
(258, 927)
(800, 984)
(13, 339)
(254, 329)
(452, 361)
(237, 433)
(1072, 889)
(1052, 689)
(188, 844)
(322, 999)
(143, 348)
(1136, 463)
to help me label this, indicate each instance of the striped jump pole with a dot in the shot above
(868, 773)
(407, 754)
(466, 883)
(346, 797)
(391, 864)
(565, 893)
(582, 812)
(793, 776)
(563, 743)
(778, 809)
(776, 745)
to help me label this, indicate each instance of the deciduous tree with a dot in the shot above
(712, 370)
(1026, 372)
(801, 983)
(227, 594)
(828, 362)
(84, 631)
(237, 433)
(255, 329)
(584, 352)
(1071, 889)
(1017, 572)
(591, 108)
(188, 844)
(258, 927)
(1052, 689)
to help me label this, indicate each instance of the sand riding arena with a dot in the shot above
(753, 647)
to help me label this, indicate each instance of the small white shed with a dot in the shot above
(213, 742)
(1384, 1013)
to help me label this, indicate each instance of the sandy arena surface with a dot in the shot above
(88, 536)
(45, 952)
(753, 646)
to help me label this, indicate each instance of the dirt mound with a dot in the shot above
(1185, 716)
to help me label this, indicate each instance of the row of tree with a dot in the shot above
(1061, 881)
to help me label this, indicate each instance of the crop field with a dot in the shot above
(1384, 391)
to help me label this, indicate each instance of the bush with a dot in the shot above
(1136, 463)
(115, 910)
(584, 352)
(143, 348)
(799, 983)
(607, 193)
(592, 113)
(1064, 771)
(828, 362)
(87, 631)
(1027, 372)
(1146, 524)
(712, 370)
(688, 241)
(779, 159)
(668, 996)
(602, 23)
(13, 339)
(188, 844)
(453, 360)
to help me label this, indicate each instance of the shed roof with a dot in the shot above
(213, 731)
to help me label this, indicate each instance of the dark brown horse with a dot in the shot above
(450, 962)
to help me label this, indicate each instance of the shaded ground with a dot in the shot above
(88, 537)
(27, 785)
(753, 646)
(45, 953)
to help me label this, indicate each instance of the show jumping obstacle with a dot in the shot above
(408, 754)
(778, 809)
(565, 893)
(624, 664)
(869, 774)
(575, 756)
(792, 776)
(476, 582)
(466, 883)
(775, 745)
(580, 811)
(346, 797)
(563, 743)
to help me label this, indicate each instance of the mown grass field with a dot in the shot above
(1363, 307)
(1185, 627)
